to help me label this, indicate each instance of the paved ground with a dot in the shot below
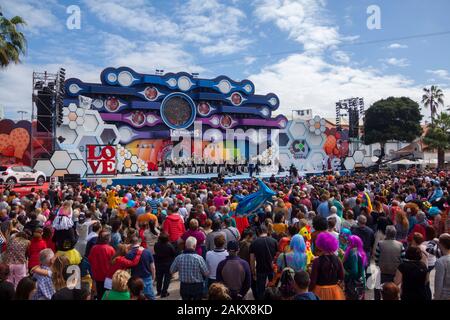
(174, 290)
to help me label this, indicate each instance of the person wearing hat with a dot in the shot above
(234, 272)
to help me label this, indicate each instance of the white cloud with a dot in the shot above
(397, 46)
(38, 15)
(213, 27)
(134, 15)
(443, 74)
(302, 80)
(396, 62)
(249, 60)
(201, 21)
(226, 46)
(341, 56)
(302, 19)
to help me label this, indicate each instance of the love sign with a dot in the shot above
(101, 159)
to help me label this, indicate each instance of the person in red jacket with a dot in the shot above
(100, 261)
(119, 262)
(37, 244)
(174, 226)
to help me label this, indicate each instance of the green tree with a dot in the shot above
(432, 98)
(392, 119)
(12, 41)
(438, 137)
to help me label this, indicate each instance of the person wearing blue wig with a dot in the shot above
(295, 259)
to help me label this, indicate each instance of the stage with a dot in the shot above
(127, 179)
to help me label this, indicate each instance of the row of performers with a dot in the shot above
(168, 167)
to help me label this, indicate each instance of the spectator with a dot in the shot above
(390, 291)
(26, 289)
(412, 275)
(302, 282)
(442, 275)
(145, 269)
(6, 288)
(174, 226)
(100, 259)
(365, 234)
(119, 289)
(15, 257)
(195, 232)
(234, 272)
(192, 271)
(388, 256)
(164, 256)
(214, 257)
(262, 254)
(44, 284)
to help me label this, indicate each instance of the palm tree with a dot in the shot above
(438, 137)
(432, 98)
(12, 41)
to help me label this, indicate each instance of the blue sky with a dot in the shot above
(242, 39)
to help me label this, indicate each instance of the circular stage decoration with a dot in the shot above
(204, 108)
(151, 93)
(178, 111)
(138, 118)
(226, 121)
(112, 104)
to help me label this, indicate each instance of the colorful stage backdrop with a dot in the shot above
(139, 113)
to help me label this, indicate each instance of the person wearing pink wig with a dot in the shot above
(327, 271)
(355, 261)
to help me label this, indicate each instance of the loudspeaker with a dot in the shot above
(44, 105)
(72, 178)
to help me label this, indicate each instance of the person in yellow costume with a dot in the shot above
(112, 199)
(306, 233)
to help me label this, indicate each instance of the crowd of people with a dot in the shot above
(326, 237)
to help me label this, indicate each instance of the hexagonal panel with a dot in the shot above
(349, 163)
(358, 156)
(77, 167)
(90, 123)
(367, 161)
(316, 159)
(68, 134)
(45, 166)
(315, 141)
(60, 159)
(72, 107)
(85, 140)
(297, 129)
(110, 134)
(283, 139)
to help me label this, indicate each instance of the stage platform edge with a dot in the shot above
(180, 179)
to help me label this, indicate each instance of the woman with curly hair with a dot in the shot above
(218, 291)
(327, 272)
(119, 289)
